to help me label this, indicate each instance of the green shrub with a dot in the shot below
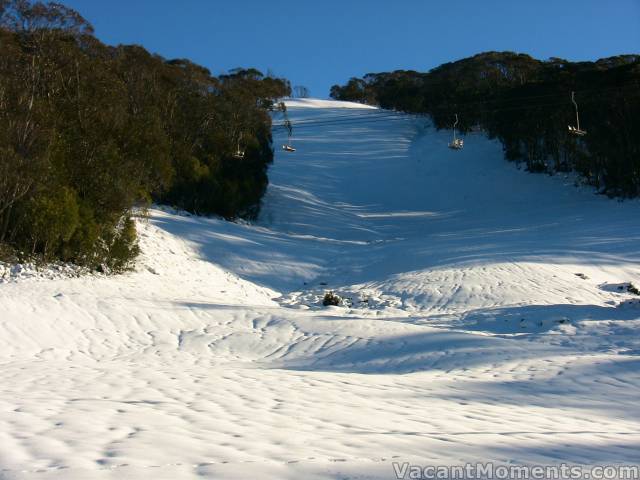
(50, 219)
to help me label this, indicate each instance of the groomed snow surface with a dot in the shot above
(486, 317)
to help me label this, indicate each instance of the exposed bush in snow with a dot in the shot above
(331, 298)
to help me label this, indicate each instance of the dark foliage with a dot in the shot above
(89, 132)
(331, 299)
(526, 104)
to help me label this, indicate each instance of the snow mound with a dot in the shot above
(29, 271)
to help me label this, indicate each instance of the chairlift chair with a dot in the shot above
(239, 153)
(576, 130)
(288, 147)
(456, 143)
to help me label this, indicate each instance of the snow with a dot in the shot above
(486, 317)
(319, 103)
(31, 271)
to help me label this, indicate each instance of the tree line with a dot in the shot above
(526, 104)
(89, 133)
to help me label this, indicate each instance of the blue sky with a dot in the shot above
(319, 43)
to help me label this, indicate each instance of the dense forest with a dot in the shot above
(90, 134)
(526, 104)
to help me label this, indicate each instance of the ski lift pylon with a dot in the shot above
(456, 143)
(576, 130)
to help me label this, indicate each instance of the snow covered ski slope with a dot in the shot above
(486, 317)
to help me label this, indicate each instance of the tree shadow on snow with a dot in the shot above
(536, 319)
